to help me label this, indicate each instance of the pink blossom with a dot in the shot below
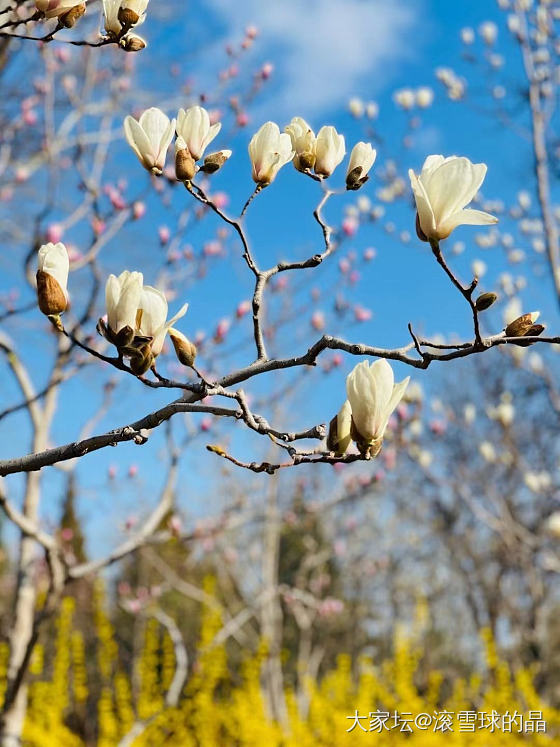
(164, 235)
(134, 606)
(67, 534)
(117, 200)
(222, 329)
(62, 54)
(344, 265)
(133, 470)
(389, 458)
(30, 117)
(220, 200)
(266, 70)
(318, 321)
(242, 119)
(130, 522)
(251, 31)
(138, 210)
(369, 254)
(243, 308)
(330, 607)
(362, 314)
(98, 225)
(212, 248)
(205, 424)
(54, 232)
(354, 277)
(350, 226)
(337, 359)
(438, 427)
(112, 471)
(402, 410)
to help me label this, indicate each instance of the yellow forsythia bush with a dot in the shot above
(383, 707)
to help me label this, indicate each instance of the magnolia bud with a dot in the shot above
(521, 325)
(50, 296)
(339, 438)
(214, 161)
(485, 300)
(142, 360)
(185, 350)
(354, 179)
(534, 331)
(185, 167)
(132, 43)
(70, 19)
(128, 17)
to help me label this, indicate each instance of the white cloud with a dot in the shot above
(325, 50)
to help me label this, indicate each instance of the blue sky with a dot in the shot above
(323, 52)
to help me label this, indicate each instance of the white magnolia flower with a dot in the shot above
(52, 278)
(120, 13)
(504, 413)
(55, 8)
(405, 98)
(303, 143)
(152, 317)
(487, 451)
(537, 482)
(122, 298)
(150, 137)
(442, 190)
(373, 395)
(424, 97)
(269, 150)
(330, 149)
(111, 16)
(136, 6)
(362, 159)
(488, 31)
(193, 125)
(356, 107)
(469, 413)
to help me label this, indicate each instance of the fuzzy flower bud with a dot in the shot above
(184, 348)
(185, 167)
(362, 159)
(339, 438)
(52, 279)
(214, 161)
